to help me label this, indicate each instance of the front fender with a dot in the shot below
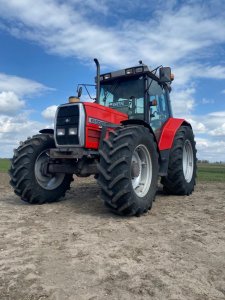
(47, 130)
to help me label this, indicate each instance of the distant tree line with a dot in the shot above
(205, 161)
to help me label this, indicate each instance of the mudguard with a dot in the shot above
(168, 132)
(47, 130)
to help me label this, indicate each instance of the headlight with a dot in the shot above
(107, 76)
(72, 131)
(60, 131)
(129, 71)
(139, 70)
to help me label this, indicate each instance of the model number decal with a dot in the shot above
(97, 122)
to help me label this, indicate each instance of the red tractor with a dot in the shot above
(127, 139)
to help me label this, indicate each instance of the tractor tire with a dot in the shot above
(181, 177)
(128, 170)
(26, 172)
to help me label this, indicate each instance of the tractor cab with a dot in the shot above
(139, 93)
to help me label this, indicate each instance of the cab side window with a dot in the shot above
(159, 113)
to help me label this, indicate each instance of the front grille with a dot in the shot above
(67, 117)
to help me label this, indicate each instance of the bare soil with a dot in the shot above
(77, 249)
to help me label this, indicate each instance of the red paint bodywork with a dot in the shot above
(168, 133)
(109, 115)
(103, 113)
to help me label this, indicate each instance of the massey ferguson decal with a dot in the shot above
(97, 122)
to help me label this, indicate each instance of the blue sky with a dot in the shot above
(47, 47)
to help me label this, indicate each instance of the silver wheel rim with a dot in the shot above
(46, 181)
(188, 161)
(141, 160)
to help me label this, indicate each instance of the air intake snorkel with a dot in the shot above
(97, 80)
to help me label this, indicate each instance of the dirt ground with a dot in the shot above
(76, 249)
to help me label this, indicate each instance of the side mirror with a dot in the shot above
(79, 92)
(165, 74)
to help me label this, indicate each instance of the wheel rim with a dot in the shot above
(141, 170)
(46, 181)
(188, 161)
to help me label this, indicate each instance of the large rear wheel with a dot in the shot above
(181, 177)
(128, 170)
(29, 178)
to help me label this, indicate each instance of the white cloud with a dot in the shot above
(208, 101)
(179, 37)
(220, 131)
(49, 112)
(174, 34)
(212, 124)
(19, 124)
(15, 124)
(183, 101)
(223, 92)
(212, 150)
(198, 127)
(216, 72)
(14, 129)
(21, 86)
(188, 72)
(217, 114)
(10, 103)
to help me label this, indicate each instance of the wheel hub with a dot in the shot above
(44, 179)
(44, 169)
(188, 161)
(135, 169)
(141, 170)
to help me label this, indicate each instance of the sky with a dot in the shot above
(47, 47)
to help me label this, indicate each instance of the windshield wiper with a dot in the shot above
(111, 90)
(154, 75)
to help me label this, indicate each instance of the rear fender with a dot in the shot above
(169, 131)
(166, 139)
(47, 130)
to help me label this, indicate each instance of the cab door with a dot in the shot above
(160, 110)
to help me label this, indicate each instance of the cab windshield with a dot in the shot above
(125, 95)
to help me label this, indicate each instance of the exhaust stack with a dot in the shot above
(97, 80)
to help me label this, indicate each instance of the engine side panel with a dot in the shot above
(96, 117)
(168, 133)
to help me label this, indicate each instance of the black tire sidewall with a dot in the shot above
(175, 183)
(44, 146)
(188, 136)
(29, 188)
(145, 140)
(46, 194)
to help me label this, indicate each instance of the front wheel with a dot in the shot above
(181, 177)
(29, 179)
(128, 170)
